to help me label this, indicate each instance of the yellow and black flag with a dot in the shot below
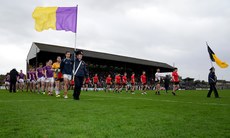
(214, 58)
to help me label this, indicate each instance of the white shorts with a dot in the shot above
(28, 81)
(33, 81)
(7, 83)
(21, 81)
(67, 76)
(42, 79)
(51, 80)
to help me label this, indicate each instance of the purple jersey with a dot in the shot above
(32, 75)
(7, 78)
(40, 72)
(28, 75)
(21, 76)
(49, 71)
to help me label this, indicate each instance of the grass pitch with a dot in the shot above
(105, 115)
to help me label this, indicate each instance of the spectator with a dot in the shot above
(13, 79)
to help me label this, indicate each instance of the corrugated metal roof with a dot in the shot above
(100, 55)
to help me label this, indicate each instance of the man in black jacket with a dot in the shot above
(212, 79)
(80, 73)
(13, 80)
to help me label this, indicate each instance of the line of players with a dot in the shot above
(44, 78)
(41, 80)
(121, 82)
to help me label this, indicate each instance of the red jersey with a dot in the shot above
(132, 79)
(95, 79)
(108, 80)
(87, 80)
(175, 76)
(143, 79)
(124, 80)
(118, 79)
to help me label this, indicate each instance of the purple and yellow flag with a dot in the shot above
(214, 58)
(56, 18)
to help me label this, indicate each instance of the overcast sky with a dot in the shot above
(169, 31)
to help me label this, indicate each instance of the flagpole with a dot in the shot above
(36, 62)
(75, 43)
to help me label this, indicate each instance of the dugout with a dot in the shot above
(97, 62)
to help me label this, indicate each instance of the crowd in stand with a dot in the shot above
(47, 79)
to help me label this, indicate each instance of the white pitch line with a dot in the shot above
(169, 101)
(129, 98)
(34, 100)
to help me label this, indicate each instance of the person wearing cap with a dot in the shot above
(212, 79)
(80, 73)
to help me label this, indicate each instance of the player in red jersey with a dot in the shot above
(175, 80)
(124, 82)
(144, 82)
(117, 83)
(87, 81)
(133, 83)
(95, 82)
(108, 83)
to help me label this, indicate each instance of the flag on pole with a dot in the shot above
(214, 58)
(56, 18)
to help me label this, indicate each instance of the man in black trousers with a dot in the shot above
(13, 80)
(80, 73)
(212, 79)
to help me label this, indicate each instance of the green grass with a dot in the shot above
(106, 115)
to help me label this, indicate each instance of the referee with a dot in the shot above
(80, 73)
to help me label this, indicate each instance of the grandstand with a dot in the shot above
(97, 61)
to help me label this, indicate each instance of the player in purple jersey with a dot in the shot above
(7, 81)
(40, 78)
(21, 78)
(48, 71)
(33, 80)
(28, 79)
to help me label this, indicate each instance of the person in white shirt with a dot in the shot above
(157, 82)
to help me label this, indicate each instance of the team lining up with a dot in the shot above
(45, 78)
